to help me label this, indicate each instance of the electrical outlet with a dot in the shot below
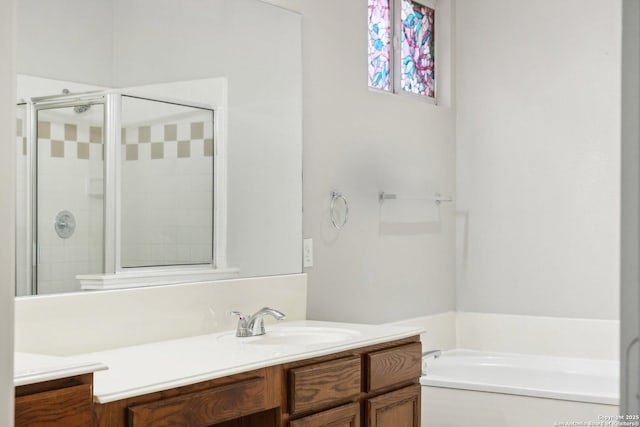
(307, 256)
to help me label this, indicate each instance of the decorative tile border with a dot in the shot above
(71, 147)
(44, 130)
(57, 148)
(131, 152)
(171, 132)
(70, 132)
(95, 135)
(130, 138)
(170, 142)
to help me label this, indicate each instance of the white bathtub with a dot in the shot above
(472, 388)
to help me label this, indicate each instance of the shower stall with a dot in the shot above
(111, 184)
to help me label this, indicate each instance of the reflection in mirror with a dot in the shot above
(68, 208)
(239, 58)
(166, 184)
(155, 184)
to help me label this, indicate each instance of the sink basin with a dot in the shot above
(295, 335)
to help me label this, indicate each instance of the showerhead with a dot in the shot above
(79, 109)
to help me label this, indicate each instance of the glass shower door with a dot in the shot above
(69, 196)
(167, 184)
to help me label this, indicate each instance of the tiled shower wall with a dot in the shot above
(167, 192)
(70, 171)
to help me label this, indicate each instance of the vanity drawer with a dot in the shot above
(397, 365)
(203, 408)
(342, 416)
(321, 385)
(69, 407)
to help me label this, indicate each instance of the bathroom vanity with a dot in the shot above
(334, 374)
(54, 391)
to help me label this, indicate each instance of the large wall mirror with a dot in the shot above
(158, 142)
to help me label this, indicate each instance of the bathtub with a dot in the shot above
(473, 388)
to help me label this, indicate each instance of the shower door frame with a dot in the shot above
(218, 208)
(34, 106)
(111, 227)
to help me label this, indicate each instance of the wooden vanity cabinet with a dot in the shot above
(390, 369)
(64, 402)
(252, 397)
(375, 386)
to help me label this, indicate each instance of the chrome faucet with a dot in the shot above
(433, 354)
(252, 326)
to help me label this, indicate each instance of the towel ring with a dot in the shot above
(335, 196)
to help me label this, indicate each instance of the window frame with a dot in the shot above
(395, 69)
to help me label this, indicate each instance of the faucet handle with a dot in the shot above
(242, 330)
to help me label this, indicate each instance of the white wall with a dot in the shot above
(550, 336)
(66, 40)
(508, 333)
(360, 142)
(30, 86)
(538, 151)
(7, 203)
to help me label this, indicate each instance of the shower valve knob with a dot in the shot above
(65, 224)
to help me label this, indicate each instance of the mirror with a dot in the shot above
(203, 178)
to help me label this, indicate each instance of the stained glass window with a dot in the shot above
(417, 43)
(379, 44)
(409, 66)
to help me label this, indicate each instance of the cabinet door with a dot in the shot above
(399, 408)
(203, 408)
(343, 416)
(68, 407)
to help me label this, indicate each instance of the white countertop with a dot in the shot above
(148, 368)
(34, 368)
